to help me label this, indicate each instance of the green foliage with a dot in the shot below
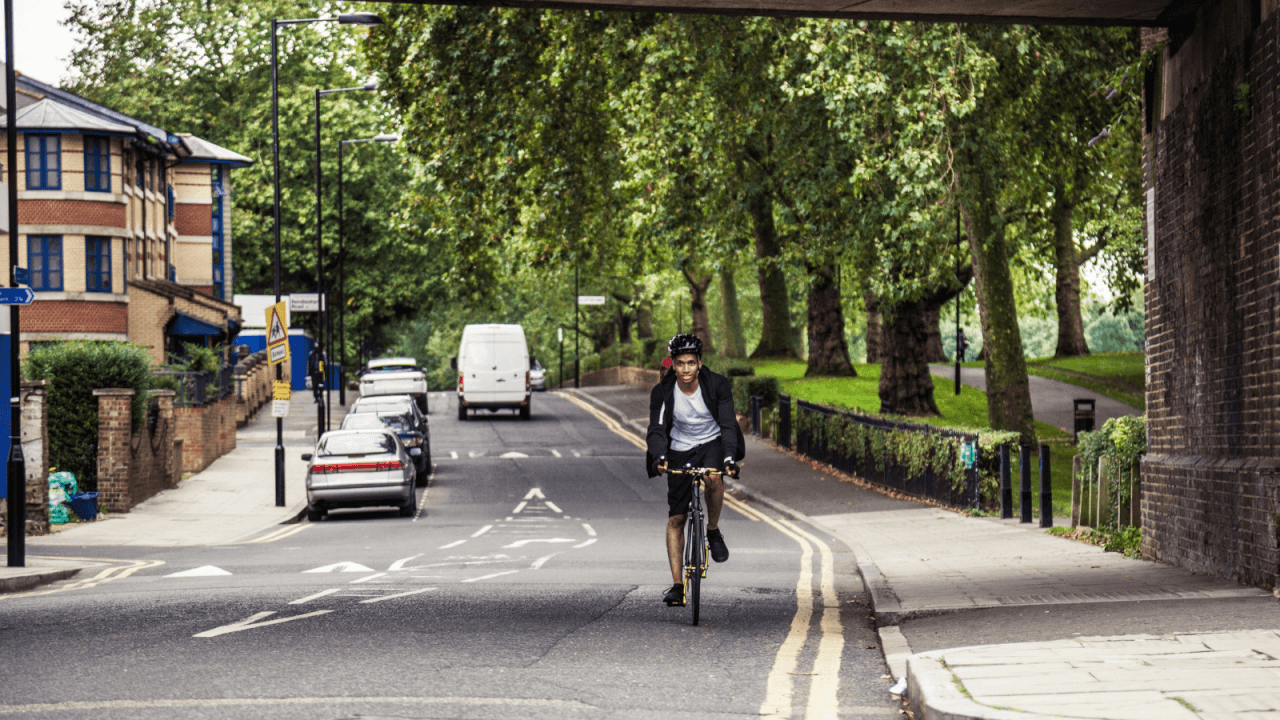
(1126, 540)
(1123, 441)
(75, 369)
(727, 366)
(744, 386)
(200, 358)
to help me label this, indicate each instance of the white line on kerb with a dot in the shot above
(453, 544)
(482, 531)
(554, 507)
(317, 596)
(486, 577)
(590, 530)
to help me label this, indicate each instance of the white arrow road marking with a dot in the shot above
(542, 560)
(251, 623)
(535, 493)
(455, 543)
(202, 571)
(513, 455)
(341, 567)
(481, 531)
(486, 577)
(590, 530)
(556, 453)
(399, 564)
(584, 544)
(522, 543)
(367, 578)
(388, 597)
(317, 596)
(554, 507)
(520, 506)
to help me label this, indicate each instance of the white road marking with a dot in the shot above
(509, 518)
(513, 455)
(522, 543)
(367, 578)
(486, 577)
(556, 453)
(202, 571)
(403, 594)
(482, 531)
(251, 623)
(534, 493)
(520, 506)
(281, 534)
(584, 544)
(554, 507)
(455, 543)
(341, 567)
(62, 708)
(577, 454)
(399, 564)
(317, 596)
(453, 455)
(472, 454)
(542, 560)
(590, 530)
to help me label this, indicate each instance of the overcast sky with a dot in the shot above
(42, 47)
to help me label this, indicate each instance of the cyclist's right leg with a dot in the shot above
(675, 547)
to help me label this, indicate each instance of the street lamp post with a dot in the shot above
(322, 397)
(17, 474)
(360, 18)
(342, 268)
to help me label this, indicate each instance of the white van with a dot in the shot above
(493, 369)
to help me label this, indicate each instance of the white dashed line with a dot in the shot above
(584, 544)
(317, 596)
(399, 564)
(486, 577)
(577, 454)
(590, 530)
(556, 453)
(388, 597)
(540, 561)
(367, 578)
(453, 544)
(453, 455)
(482, 531)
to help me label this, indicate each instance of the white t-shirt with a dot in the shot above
(692, 423)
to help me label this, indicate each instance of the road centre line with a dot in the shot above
(453, 455)
(486, 577)
(62, 708)
(482, 531)
(453, 544)
(556, 453)
(609, 423)
(366, 578)
(317, 596)
(397, 595)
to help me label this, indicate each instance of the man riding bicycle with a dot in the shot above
(692, 421)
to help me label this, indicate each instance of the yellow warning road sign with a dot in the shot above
(277, 334)
(280, 390)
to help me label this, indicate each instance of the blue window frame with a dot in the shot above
(97, 263)
(172, 200)
(44, 254)
(217, 227)
(97, 163)
(44, 162)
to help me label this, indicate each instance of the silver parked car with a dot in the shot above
(537, 376)
(360, 468)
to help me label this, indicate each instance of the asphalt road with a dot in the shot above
(528, 586)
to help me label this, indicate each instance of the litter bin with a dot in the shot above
(1084, 416)
(85, 505)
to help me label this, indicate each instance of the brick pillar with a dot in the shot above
(172, 460)
(115, 430)
(35, 448)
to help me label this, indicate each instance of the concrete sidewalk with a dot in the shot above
(918, 561)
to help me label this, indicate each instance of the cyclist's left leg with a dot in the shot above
(675, 547)
(714, 495)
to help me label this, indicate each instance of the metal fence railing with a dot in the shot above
(195, 388)
(893, 454)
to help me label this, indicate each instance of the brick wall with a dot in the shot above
(134, 466)
(253, 381)
(1211, 480)
(114, 434)
(207, 432)
(72, 212)
(75, 316)
(192, 219)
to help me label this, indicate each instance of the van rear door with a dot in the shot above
(496, 365)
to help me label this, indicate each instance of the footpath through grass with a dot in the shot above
(966, 410)
(1120, 376)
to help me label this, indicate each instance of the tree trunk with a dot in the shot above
(933, 345)
(625, 319)
(906, 386)
(735, 345)
(828, 351)
(698, 285)
(775, 331)
(1071, 340)
(644, 316)
(874, 330)
(1008, 393)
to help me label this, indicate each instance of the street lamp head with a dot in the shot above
(359, 18)
(386, 137)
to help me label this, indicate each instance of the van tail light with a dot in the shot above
(460, 376)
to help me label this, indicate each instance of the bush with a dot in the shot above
(744, 386)
(75, 369)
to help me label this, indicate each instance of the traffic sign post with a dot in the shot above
(277, 334)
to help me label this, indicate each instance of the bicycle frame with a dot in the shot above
(695, 544)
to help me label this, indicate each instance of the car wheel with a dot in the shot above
(420, 479)
(526, 411)
(410, 507)
(314, 513)
(462, 413)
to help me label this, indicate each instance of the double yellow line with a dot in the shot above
(779, 688)
(124, 569)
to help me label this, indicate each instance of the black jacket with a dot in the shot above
(717, 393)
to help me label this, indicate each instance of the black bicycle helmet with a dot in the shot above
(685, 344)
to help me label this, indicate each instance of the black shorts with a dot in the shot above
(680, 487)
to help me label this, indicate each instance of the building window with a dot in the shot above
(139, 170)
(97, 263)
(44, 254)
(97, 163)
(44, 169)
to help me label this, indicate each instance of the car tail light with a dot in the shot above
(356, 467)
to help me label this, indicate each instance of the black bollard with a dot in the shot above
(1046, 489)
(1024, 466)
(784, 420)
(1006, 485)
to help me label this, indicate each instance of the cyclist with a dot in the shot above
(692, 421)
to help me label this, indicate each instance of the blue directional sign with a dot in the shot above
(16, 296)
(21, 275)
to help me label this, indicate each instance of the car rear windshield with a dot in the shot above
(364, 443)
(383, 406)
(370, 421)
(393, 368)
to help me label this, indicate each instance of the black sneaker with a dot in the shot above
(719, 551)
(674, 596)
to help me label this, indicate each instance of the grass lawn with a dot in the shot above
(1119, 376)
(966, 410)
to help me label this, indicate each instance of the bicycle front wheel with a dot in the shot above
(695, 559)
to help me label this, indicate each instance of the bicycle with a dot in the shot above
(695, 539)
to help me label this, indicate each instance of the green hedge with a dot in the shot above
(75, 369)
(766, 386)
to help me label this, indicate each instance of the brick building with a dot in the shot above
(124, 227)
